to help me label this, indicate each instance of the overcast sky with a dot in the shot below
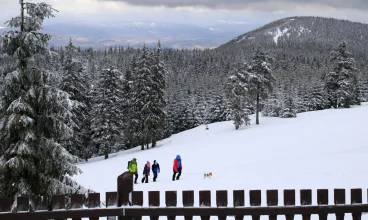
(200, 12)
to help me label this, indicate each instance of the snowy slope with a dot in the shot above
(321, 149)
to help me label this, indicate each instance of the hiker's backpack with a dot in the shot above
(128, 165)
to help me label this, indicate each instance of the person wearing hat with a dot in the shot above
(155, 170)
(133, 168)
(178, 166)
(146, 172)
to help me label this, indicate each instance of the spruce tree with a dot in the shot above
(155, 108)
(107, 124)
(75, 84)
(261, 79)
(36, 114)
(341, 83)
(237, 93)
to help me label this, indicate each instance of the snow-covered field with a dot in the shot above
(321, 149)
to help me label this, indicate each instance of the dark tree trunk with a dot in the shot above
(257, 110)
(22, 15)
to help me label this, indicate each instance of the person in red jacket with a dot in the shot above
(178, 166)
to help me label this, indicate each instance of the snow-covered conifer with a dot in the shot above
(36, 114)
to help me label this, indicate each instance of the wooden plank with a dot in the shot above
(171, 198)
(188, 198)
(5, 204)
(305, 197)
(188, 201)
(221, 201)
(171, 201)
(255, 199)
(58, 202)
(289, 200)
(111, 201)
(272, 197)
(272, 200)
(211, 211)
(221, 198)
(205, 201)
(77, 201)
(137, 198)
(238, 198)
(322, 199)
(22, 204)
(339, 196)
(322, 196)
(93, 202)
(154, 201)
(154, 198)
(356, 198)
(205, 198)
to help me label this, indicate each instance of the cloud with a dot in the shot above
(262, 5)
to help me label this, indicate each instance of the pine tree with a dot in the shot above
(141, 95)
(154, 110)
(272, 107)
(261, 79)
(74, 83)
(107, 126)
(341, 84)
(36, 114)
(237, 93)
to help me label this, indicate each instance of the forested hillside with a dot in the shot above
(192, 84)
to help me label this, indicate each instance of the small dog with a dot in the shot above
(207, 175)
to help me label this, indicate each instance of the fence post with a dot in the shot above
(111, 201)
(171, 201)
(238, 200)
(93, 202)
(306, 199)
(356, 198)
(289, 200)
(221, 201)
(272, 200)
(255, 199)
(5, 204)
(22, 204)
(125, 188)
(154, 201)
(188, 201)
(322, 199)
(137, 199)
(339, 199)
(205, 201)
(77, 201)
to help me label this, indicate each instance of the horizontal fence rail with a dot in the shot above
(81, 207)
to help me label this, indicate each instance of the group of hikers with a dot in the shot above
(133, 168)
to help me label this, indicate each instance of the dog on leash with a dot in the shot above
(207, 175)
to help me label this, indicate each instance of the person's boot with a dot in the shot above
(177, 178)
(143, 180)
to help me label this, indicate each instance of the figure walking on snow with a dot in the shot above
(133, 168)
(146, 172)
(177, 167)
(155, 170)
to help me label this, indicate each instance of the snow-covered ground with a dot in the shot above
(321, 149)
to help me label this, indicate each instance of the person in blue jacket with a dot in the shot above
(155, 170)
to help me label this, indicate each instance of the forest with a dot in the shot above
(60, 106)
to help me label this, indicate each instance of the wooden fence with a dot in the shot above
(119, 204)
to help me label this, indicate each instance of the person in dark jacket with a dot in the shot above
(178, 166)
(155, 170)
(146, 172)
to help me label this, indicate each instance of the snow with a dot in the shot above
(2, 27)
(316, 150)
(278, 34)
